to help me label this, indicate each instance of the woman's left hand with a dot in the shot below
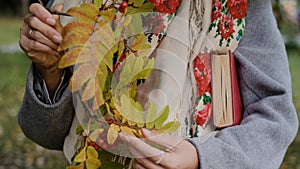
(176, 152)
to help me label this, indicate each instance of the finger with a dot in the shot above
(139, 148)
(29, 45)
(138, 166)
(38, 36)
(45, 29)
(142, 163)
(165, 140)
(42, 13)
(143, 152)
(58, 8)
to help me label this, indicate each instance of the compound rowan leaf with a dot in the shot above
(162, 117)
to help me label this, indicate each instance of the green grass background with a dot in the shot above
(17, 152)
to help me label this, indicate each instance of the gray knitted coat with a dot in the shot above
(269, 123)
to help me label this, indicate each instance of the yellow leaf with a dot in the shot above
(75, 34)
(80, 166)
(71, 58)
(81, 156)
(91, 153)
(105, 36)
(131, 123)
(151, 116)
(170, 127)
(81, 75)
(112, 134)
(139, 133)
(95, 134)
(128, 130)
(117, 115)
(92, 163)
(162, 117)
(73, 40)
(98, 100)
(87, 12)
(131, 110)
(138, 42)
(120, 50)
(108, 15)
(89, 90)
(98, 3)
(78, 28)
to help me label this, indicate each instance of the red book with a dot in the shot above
(227, 103)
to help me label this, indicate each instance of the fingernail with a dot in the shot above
(57, 38)
(51, 21)
(146, 132)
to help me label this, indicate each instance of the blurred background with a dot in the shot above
(17, 152)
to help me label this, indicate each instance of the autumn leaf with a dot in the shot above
(81, 75)
(162, 117)
(128, 130)
(112, 134)
(81, 156)
(80, 166)
(170, 127)
(151, 116)
(95, 134)
(91, 153)
(71, 58)
(92, 163)
(87, 12)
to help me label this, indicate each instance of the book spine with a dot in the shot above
(236, 94)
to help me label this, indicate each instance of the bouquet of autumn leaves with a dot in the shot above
(108, 47)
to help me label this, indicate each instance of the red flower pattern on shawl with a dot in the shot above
(226, 26)
(165, 6)
(202, 115)
(216, 10)
(154, 23)
(237, 8)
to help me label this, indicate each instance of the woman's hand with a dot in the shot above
(40, 36)
(176, 153)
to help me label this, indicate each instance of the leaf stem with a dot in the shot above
(57, 13)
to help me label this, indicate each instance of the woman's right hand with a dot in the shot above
(40, 37)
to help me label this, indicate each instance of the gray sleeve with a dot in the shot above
(269, 122)
(45, 124)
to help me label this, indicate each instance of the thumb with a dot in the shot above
(165, 140)
(59, 8)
